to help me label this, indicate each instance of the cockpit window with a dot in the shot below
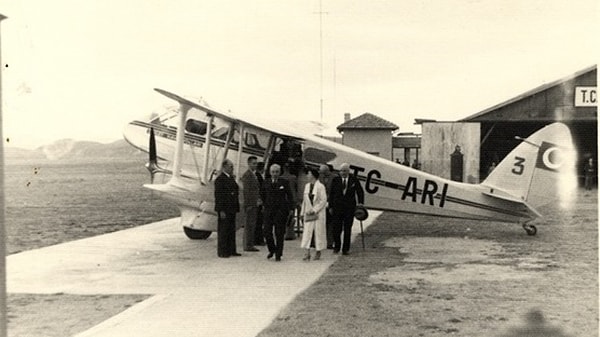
(196, 126)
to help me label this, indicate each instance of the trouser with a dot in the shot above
(342, 223)
(226, 235)
(249, 228)
(329, 228)
(259, 238)
(290, 233)
(275, 221)
(588, 182)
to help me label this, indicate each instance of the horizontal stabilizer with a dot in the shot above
(506, 196)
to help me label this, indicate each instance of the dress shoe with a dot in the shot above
(270, 255)
(329, 246)
(318, 255)
(251, 249)
(224, 256)
(278, 259)
(236, 254)
(345, 253)
(306, 257)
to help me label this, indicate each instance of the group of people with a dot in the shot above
(326, 205)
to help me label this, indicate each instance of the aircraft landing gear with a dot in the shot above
(196, 234)
(530, 229)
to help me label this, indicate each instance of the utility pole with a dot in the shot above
(320, 12)
(3, 301)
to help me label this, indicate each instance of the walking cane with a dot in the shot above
(362, 234)
(361, 214)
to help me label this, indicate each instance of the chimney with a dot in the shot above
(346, 117)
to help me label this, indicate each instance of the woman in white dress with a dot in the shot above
(313, 211)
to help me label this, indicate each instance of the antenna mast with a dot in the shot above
(321, 54)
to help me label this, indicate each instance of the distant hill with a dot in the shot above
(72, 150)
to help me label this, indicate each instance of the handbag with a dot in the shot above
(310, 217)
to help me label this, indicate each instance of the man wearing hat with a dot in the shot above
(346, 195)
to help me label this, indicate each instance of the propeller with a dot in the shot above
(152, 164)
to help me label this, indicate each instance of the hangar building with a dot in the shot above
(488, 136)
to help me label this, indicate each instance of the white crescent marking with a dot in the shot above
(546, 158)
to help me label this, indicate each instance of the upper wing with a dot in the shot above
(274, 128)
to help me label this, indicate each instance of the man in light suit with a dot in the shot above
(226, 206)
(251, 203)
(346, 193)
(278, 204)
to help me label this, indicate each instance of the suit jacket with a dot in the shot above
(226, 194)
(278, 195)
(251, 189)
(342, 201)
(261, 185)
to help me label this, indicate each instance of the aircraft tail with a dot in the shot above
(539, 170)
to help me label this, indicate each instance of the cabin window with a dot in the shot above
(196, 127)
(251, 140)
(221, 133)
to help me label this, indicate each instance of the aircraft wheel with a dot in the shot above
(530, 229)
(196, 234)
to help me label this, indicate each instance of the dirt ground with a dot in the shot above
(53, 202)
(427, 276)
(62, 314)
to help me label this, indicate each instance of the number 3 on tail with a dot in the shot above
(519, 167)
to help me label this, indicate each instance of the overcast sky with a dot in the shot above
(83, 69)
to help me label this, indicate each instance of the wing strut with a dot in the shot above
(269, 151)
(183, 111)
(209, 130)
(230, 132)
(240, 150)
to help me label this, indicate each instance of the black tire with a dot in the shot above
(196, 234)
(531, 230)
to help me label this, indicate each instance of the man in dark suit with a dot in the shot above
(226, 205)
(251, 203)
(345, 190)
(259, 238)
(278, 205)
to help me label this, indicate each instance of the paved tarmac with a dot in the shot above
(193, 292)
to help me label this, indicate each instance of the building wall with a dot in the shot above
(439, 141)
(371, 141)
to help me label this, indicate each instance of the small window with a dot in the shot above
(196, 127)
(222, 132)
(252, 141)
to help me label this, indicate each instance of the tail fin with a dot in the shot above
(540, 169)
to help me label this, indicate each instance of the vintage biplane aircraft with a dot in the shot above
(187, 146)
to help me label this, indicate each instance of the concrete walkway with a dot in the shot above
(194, 293)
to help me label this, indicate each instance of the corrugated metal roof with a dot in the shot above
(367, 121)
(529, 93)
